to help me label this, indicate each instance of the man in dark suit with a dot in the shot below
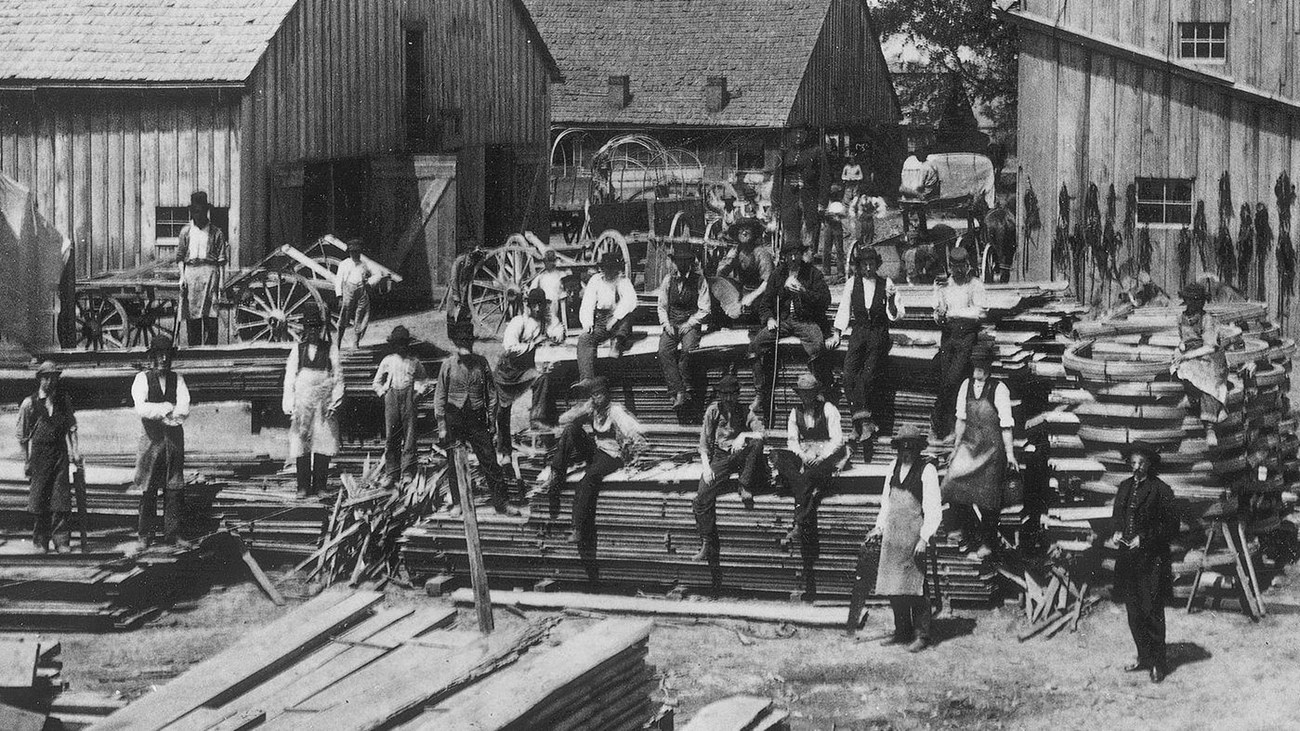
(1145, 522)
(794, 303)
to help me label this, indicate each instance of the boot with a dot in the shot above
(320, 470)
(304, 476)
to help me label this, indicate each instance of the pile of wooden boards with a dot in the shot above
(30, 678)
(342, 662)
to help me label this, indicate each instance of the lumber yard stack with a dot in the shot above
(341, 661)
(1112, 386)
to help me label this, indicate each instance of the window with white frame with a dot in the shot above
(1164, 201)
(1203, 41)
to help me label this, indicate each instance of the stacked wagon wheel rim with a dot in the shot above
(608, 241)
(502, 269)
(271, 304)
(102, 323)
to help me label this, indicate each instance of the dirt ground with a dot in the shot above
(1228, 673)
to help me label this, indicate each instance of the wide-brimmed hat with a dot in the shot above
(356, 245)
(862, 251)
(728, 384)
(399, 336)
(199, 201)
(835, 208)
(460, 330)
(1151, 451)
(682, 251)
(1194, 290)
(589, 386)
(983, 355)
(959, 256)
(312, 317)
(792, 245)
(514, 293)
(161, 344)
(909, 434)
(48, 368)
(754, 225)
(807, 382)
(536, 296)
(611, 260)
(549, 255)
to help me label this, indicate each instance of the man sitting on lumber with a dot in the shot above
(606, 313)
(815, 450)
(795, 304)
(517, 369)
(1200, 362)
(959, 310)
(616, 439)
(744, 271)
(731, 442)
(162, 402)
(683, 303)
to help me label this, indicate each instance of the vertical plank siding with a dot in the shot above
(837, 91)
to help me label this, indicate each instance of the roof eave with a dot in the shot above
(72, 84)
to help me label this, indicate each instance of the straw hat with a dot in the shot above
(807, 382)
(48, 369)
(1151, 451)
(909, 434)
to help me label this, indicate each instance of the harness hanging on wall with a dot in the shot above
(1184, 253)
(1201, 236)
(1060, 239)
(1263, 239)
(1092, 230)
(1033, 224)
(1227, 257)
(1285, 193)
(1110, 237)
(1245, 247)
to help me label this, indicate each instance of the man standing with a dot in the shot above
(1145, 523)
(920, 178)
(731, 442)
(959, 310)
(683, 300)
(163, 402)
(607, 304)
(869, 303)
(795, 304)
(400, 379)
(803, 188)
(47, 433)
(352, 286)
(313, 392)
(201, 251)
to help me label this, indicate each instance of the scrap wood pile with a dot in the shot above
(340, 661)
(1050, 597)
(1113, 386)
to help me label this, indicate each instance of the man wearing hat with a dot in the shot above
(516, 370)
(983, 452)
(683, 303)
(1200, 362)
(744, 271)
(400, 379)
(815, 450)
(47, 433)
(1145, 522)
(551, 281)
(606, 313)
(959, 310)
(910, 513)
(313, 392)
(731, 442)
(868, 304)
(795, 304)
(464, 403)
(162, 402)
(802, 187)
(201, 252)
(352, 286)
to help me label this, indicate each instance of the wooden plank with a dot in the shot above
(168, 166)
(512, 695)
(187, 180)
(18, 662)
(113, 172)
(80, 203)
(258, 655)
(19, 719)
(132, 243)
(798, 614)
(729, 714)
(1037, 141)
(148, 186)
(478, 574)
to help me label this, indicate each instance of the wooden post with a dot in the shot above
(477, 572)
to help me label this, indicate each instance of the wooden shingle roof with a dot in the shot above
(135, 41)
(668, 48)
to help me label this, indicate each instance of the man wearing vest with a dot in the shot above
(163, 402)
(313, 391)
(869, 303)
(201, 251)
(683, 305)
(730, 442)
(795, 304)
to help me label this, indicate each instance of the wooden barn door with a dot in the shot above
(514, 196)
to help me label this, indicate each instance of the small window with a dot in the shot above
(1164, 200)
(1203, 41)
(750, 157)
(168, 222)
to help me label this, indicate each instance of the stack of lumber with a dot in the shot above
(340, 661)
(740, 713)
(30, 677)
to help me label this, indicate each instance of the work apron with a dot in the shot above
(979, 462)
(202, 284)
(311, 430)
(901, 571)
(48, 455)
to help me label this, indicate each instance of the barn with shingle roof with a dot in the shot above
(376, 118)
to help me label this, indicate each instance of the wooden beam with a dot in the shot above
(477, 571)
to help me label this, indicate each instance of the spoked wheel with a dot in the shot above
(101, 322)
(270, 306)
(500, 270)
(611, 240)
(680, 228)
(156, 317)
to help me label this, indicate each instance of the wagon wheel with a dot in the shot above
(101, 322)
(611, 240)
(679, 228)
(157, 317)
(329, 263)
(500, 270)
(270, 306)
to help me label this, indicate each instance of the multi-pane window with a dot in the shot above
(1164, 200)
(1203, 41)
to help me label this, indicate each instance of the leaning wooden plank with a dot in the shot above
(18, 662)
(736, 713)
(402, 682)
(260, 654)
(19, 719)
(800, 614)
(509, 697)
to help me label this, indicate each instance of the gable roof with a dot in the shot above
(669, 47)
(135, 41)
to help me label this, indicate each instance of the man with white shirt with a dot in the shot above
(959, 310)
(163, 402)
(201, 252)
(607, 304)
(869, 303)
(683, 303)
(551, 282)
(352, 286)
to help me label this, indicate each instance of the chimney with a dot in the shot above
(715, 94)
(617, 96)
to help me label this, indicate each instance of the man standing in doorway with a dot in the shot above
(201, 252)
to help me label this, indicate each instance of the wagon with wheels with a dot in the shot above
(126, 309)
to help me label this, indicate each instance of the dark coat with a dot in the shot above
(1154, 519)
(809, 306)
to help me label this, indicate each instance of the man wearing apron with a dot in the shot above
(313, 391)
(516, 370)
(910, 514)
(162, 401)
(47, 433)
(982, 454)
(683, 303)
(869, 303)
(399, 380)
(201, 251)
(744, 271)
(959, 310)
(606, 313)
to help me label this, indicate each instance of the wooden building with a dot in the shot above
(1167, 96)
(719, 81)
(378, 118)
